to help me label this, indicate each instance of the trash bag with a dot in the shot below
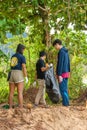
(52, 87)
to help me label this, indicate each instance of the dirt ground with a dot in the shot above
(56, 117)
(52, 118)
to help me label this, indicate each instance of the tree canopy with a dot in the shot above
(42, 15)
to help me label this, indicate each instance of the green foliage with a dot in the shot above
(75, 81)
(74, 41)
(3, 89)
(16, 15)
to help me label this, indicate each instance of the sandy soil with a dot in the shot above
(52, 118)
(56, 117)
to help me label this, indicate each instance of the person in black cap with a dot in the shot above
(41, 69)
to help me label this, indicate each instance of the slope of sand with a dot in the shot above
(52, 118)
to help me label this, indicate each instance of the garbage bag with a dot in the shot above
(52, 87)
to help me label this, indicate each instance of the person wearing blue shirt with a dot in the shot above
(62, 70)
(18, 73)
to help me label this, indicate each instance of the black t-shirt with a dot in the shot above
(40, 63)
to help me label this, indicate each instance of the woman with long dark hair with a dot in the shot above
(18, 73)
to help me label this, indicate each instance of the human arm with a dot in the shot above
(59, 67)
(25, 72)
(45, 68)
(60, 64)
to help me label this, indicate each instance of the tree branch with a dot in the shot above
(69, 8)
(46, 10)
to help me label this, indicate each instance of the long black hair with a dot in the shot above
(20, 48)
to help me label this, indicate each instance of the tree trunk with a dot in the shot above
(45, 22)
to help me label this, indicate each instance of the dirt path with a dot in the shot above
(53, 118)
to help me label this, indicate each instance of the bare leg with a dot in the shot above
(11, 94)
(20, 87)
